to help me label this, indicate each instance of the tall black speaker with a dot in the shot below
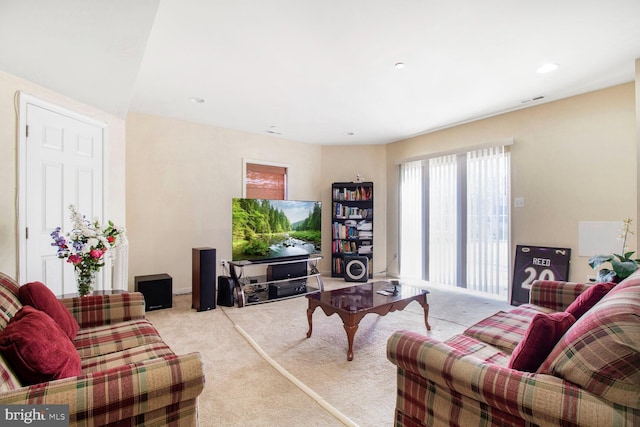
(225, 291)
(203, 279)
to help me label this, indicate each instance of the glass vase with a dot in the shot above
(85, 278)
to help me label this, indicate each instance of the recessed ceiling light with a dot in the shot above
(350, 133)
(547, 68)
(399, 65)
(196, 100)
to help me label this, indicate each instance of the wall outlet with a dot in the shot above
(518, 202)
(223, 262)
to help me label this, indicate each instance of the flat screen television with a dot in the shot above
(264, 230)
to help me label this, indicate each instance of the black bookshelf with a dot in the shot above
(351, 227)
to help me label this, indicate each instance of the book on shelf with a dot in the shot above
(344, 247)
(358, 193)
(343, 211)
(337, 265)
(365, 226)
(341, 231)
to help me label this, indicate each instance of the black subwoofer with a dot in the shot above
(157, 291)
(356, 268)
(225, 291)
(203, 279)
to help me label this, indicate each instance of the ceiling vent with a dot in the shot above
(534, 99)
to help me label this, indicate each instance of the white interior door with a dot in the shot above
(63, 165)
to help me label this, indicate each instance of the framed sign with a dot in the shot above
(537, 263)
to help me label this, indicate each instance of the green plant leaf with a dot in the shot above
(624, 269)
(623, 258)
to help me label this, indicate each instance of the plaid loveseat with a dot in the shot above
(591, 377)
(129, 376)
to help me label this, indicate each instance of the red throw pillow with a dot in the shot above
(37, 349)
(37, 295)
(543, 334)
(588, 299)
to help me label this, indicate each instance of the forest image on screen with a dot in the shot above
(265, 229)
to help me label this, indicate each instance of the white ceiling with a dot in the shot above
(315, 71)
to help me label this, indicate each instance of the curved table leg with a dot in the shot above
(351, 333)
(310, 311)
(425, 307)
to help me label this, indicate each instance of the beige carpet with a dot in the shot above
(243, 389)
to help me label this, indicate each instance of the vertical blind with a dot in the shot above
(488, 220)
(411, 231)
(443, 219)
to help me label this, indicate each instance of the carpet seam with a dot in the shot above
(292, 378)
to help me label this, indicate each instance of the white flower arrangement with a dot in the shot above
(86, 246)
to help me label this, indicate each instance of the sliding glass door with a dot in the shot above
(455, 222)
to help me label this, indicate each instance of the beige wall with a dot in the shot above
(181, 178)
(572, 160)
(114, 171)
(343, 164)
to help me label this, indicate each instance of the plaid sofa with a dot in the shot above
(129, 375)
(590, 378)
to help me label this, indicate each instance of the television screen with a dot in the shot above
(267, 229)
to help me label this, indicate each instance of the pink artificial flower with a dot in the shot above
(74, 259)
(96, 253)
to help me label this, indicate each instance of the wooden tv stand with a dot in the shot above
(259, 282)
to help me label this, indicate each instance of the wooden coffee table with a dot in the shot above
(354, 302)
